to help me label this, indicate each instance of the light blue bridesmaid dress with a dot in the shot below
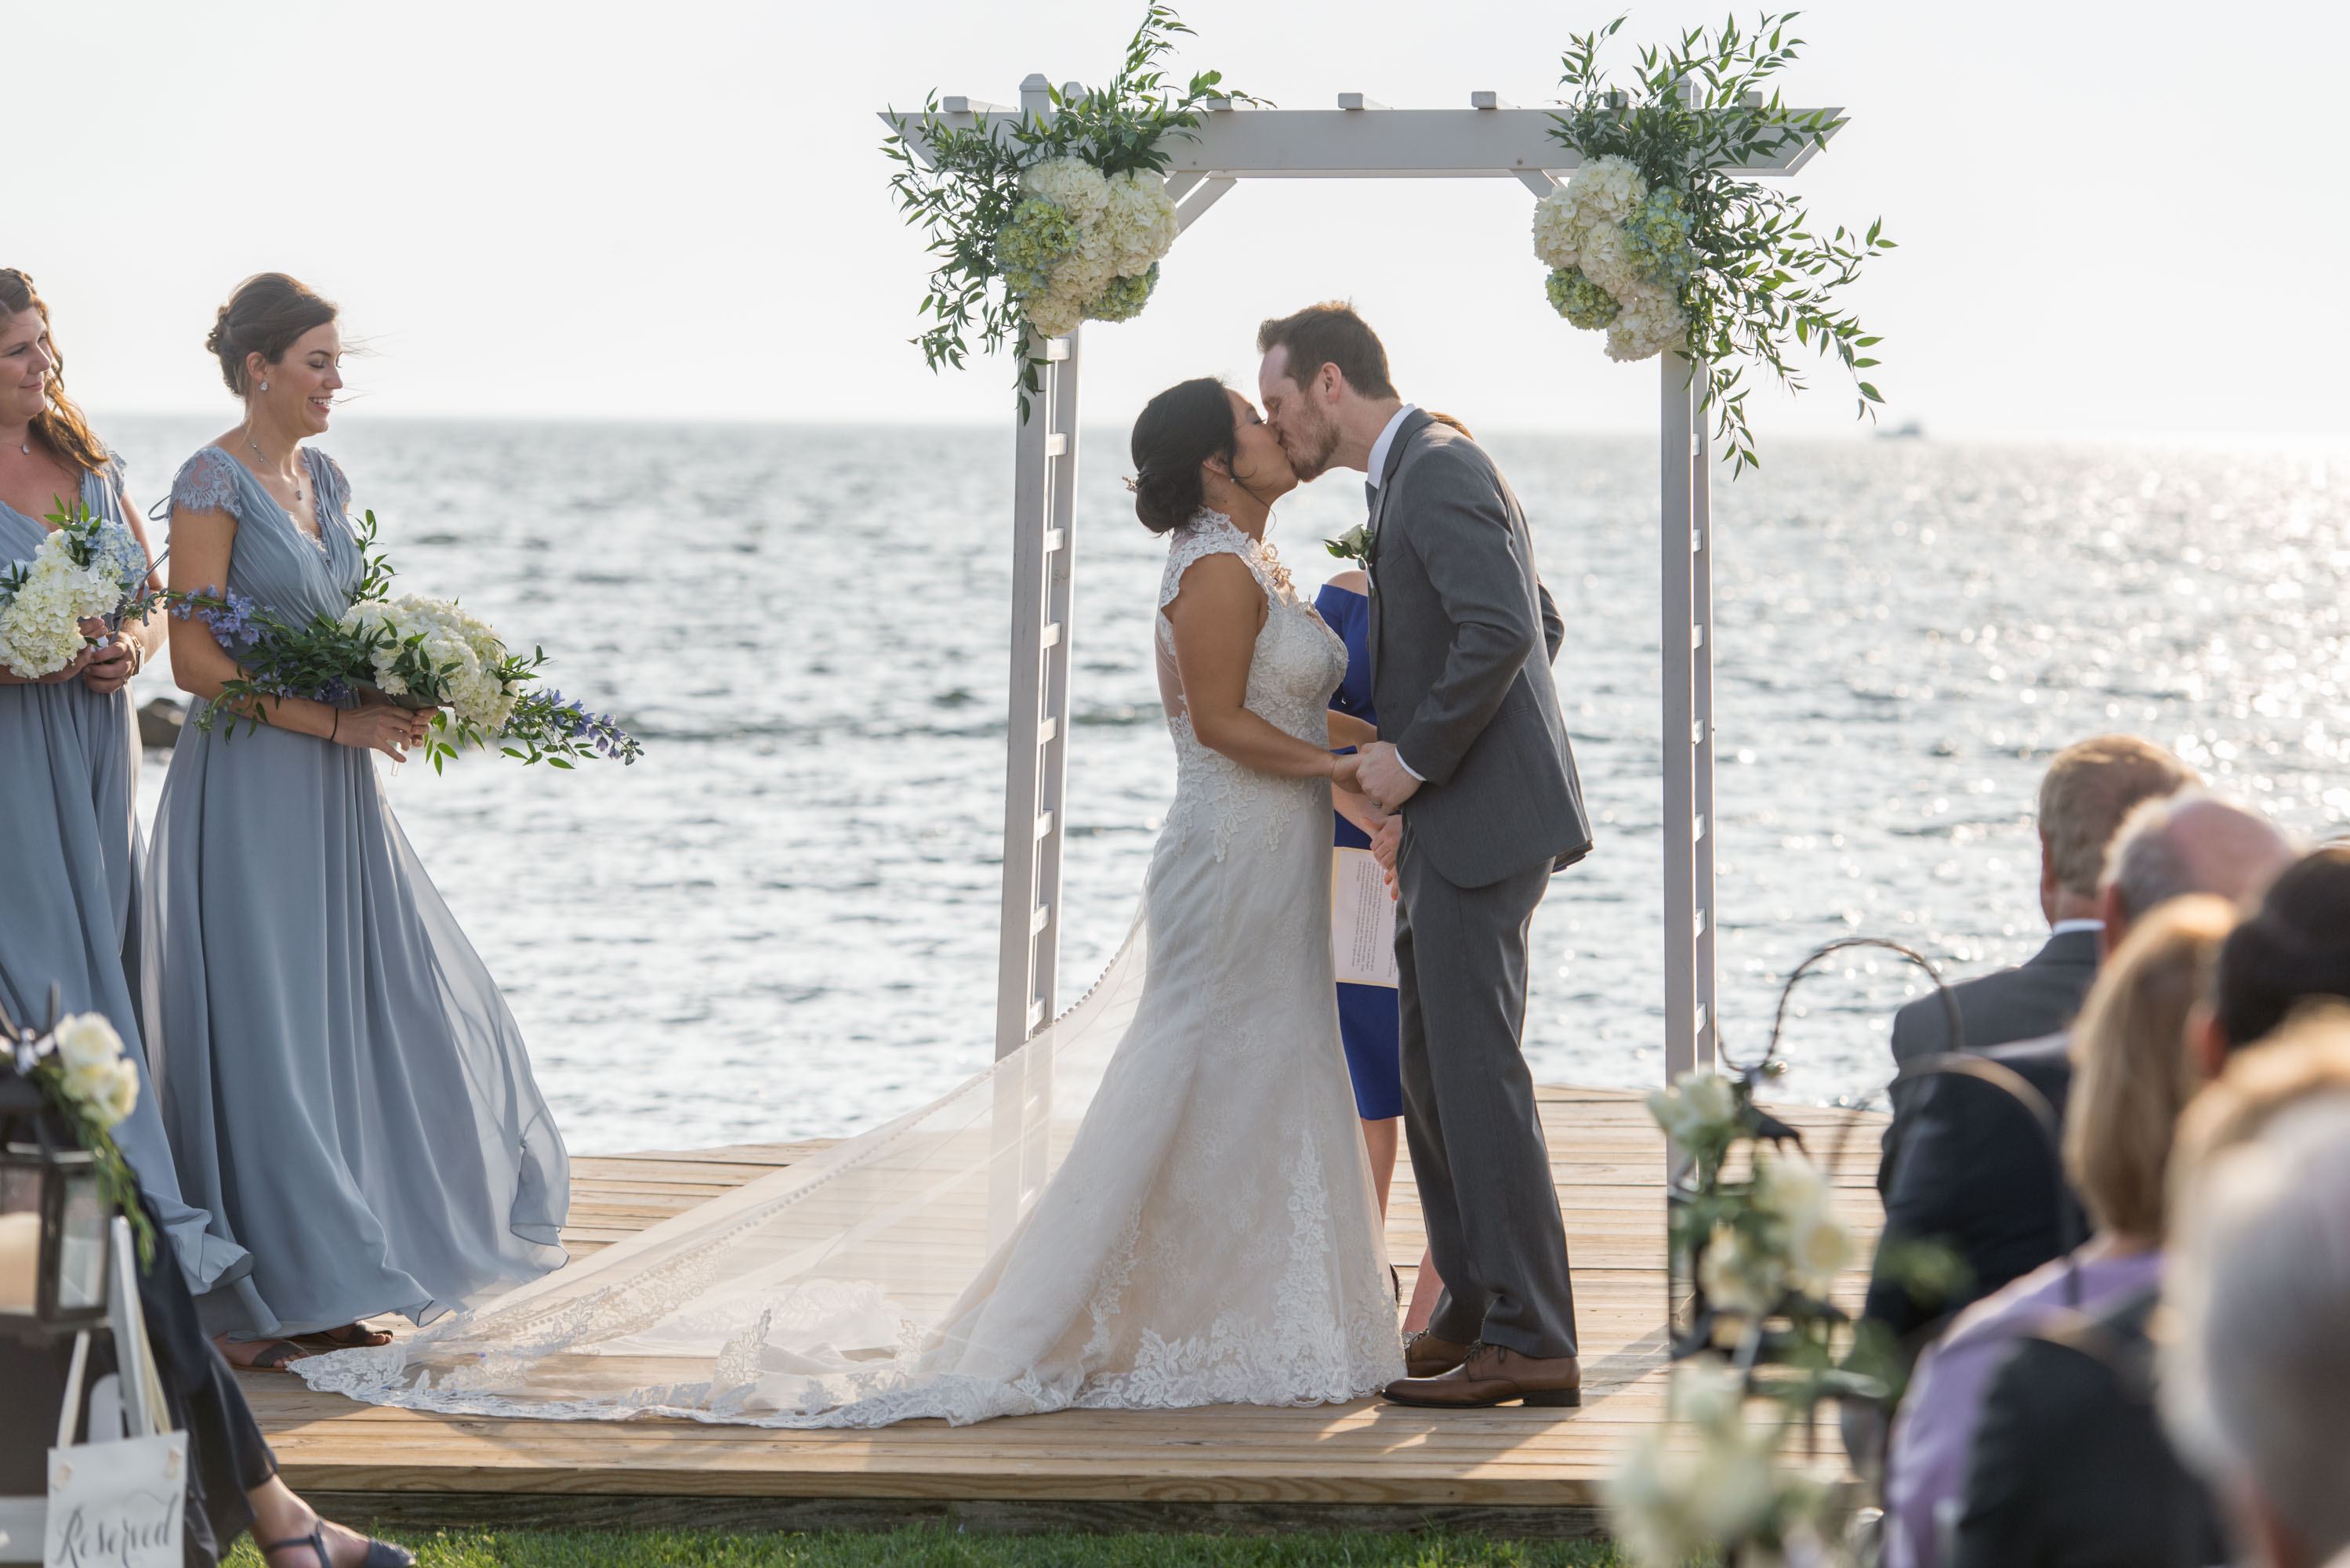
(345, 1090)
(69, 883)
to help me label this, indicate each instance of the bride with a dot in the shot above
(1162, 1201)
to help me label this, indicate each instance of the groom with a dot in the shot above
(1472, 755)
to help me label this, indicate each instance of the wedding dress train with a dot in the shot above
(1162, 1201)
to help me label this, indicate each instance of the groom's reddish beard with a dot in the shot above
(1309, 446)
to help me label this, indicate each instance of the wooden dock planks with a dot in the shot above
(1229, 1466)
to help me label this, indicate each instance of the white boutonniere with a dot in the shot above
(1356, 544)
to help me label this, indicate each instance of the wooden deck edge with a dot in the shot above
(556, 1487)
(412, 1511)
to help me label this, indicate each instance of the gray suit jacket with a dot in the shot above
(1461, 637)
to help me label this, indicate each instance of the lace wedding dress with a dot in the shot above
(1162, 1200)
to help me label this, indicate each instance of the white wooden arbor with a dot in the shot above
(1360, 140)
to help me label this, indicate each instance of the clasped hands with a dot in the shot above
(1382, 784)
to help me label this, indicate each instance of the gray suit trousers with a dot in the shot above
(1477, 1147)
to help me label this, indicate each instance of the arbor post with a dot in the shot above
(1692, 1020)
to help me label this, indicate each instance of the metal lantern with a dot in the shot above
(53, 1213)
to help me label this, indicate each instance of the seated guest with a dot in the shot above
(2295, 945)
(2131, 1047)
(2255, 1378)
(2087, 791)
(1969, 1168)
(2070, 1465)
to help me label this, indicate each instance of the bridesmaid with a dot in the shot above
(347, 1094)
(69, 767)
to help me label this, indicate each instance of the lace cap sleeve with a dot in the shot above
(206, 482)
(1206, 534)
(332, 482)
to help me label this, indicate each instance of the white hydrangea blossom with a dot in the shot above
(40, 623)
(1652, 321)
(1072, 183)
(1122, 225)
(1139, 222)
(1558, 231)
(1605, 190)
(451, 637)
(1581, 225)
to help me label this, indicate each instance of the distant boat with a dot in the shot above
(1908, 430)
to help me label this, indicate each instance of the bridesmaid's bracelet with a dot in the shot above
(339, 725)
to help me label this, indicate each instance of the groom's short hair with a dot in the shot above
(1330, 334)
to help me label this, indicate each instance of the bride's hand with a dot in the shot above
(382, 727)
(1342, 773)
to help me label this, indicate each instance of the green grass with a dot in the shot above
(938, 1548)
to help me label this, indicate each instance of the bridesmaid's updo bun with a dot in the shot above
(268, 313)
(1180, 428)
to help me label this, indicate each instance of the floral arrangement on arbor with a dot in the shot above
(1659, 241)
(87, 568)
(415, 651)
(1049, 220)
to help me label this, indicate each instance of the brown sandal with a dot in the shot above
(271, 1357)
(350, 1337)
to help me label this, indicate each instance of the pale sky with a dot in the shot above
(2114, 218)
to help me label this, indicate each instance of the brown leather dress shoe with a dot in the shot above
(1426, 1355)
(1494, 1375)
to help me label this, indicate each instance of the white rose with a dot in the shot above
(87, 1040)
(1708, 1393)
(1790, 1186)
(1738, 1278)
(1736, 1487)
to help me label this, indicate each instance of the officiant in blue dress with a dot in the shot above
(1367, 1020)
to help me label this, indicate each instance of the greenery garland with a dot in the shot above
(1660, 240)
(1047, 220)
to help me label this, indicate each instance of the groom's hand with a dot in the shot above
(1386, 839)
(1384, 778)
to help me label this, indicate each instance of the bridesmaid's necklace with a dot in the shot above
(272, 467)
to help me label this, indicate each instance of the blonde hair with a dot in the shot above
(2089, 788)
(2254, 1384)
(2132, 1072)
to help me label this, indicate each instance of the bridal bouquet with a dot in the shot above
(414, 651)
(88, 568)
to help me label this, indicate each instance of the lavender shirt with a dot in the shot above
(1934, 1436)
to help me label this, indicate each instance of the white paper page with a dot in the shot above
(1362, 920)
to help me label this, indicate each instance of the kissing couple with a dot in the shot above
(1163, 1199)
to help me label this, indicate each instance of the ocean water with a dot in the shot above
(782, 922)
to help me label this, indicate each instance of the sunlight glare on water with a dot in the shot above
(782, 923)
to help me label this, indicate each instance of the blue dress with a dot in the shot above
(347, 1093)
(1367, 1020)
(69, 883)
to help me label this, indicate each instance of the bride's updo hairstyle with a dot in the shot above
(266, 315)
(1180, 428)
